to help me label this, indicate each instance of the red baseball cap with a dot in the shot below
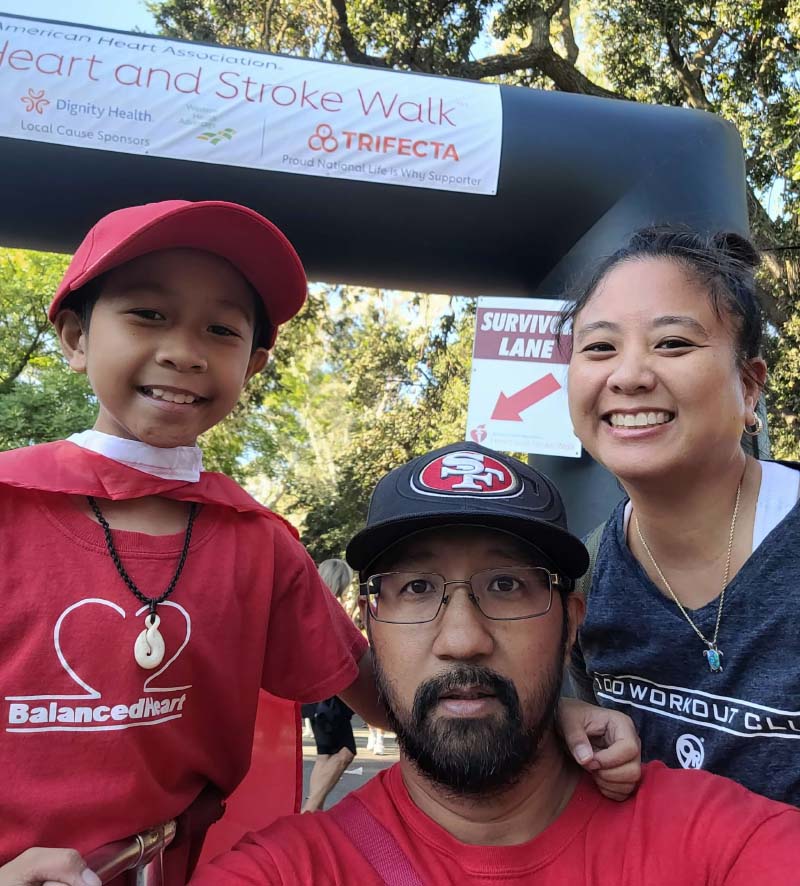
(251, 243)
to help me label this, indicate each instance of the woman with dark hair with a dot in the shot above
(693, 614)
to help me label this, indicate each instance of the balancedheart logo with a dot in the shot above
(150, 699)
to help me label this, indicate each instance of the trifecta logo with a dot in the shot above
(324, 139)
(325, 142)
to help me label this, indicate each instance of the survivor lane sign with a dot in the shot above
(517, 398)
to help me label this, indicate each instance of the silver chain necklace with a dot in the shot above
(712, 653)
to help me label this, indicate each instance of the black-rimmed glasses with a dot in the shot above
(503, 594)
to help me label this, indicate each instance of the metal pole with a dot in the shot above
(142, 854)
(151, 874)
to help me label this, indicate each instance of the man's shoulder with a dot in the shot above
(310, 848)
(718, 824)
(719, 801)
(374, 797)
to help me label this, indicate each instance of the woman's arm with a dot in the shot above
(605, 743)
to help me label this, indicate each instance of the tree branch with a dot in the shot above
(538, 55)
(567, 32)
(17, 370)
(763, 233)
(565, 76)
(688, 78)
(351, 49)
(699, 58)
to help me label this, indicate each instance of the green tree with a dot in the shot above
(405, 392)
(40, 400)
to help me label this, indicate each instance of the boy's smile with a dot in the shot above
(169, 346)
(171, 395)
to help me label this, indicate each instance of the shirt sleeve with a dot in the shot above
(313, 647)
(581, 682)
(728, 835)
(248, 864)
(771, 854)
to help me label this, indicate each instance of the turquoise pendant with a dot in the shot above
(714, 657)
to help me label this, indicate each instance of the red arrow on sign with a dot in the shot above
(509, 408)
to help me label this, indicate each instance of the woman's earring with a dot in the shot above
(756, 428)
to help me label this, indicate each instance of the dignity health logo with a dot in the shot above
(35, 101)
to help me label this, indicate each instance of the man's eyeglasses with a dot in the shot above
(506, 594)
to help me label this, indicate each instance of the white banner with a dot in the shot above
(518, 391)
(137, 94)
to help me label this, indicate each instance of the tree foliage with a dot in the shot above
(39, 400)
(375, 386)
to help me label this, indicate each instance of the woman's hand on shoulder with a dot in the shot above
(605, 743)
(48, 867)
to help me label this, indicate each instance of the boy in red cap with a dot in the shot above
(145, 601)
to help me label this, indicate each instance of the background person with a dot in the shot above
(331, 719)
(693, 615)
(467, 596)
(375, 740)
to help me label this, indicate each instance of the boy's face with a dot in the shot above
(169, 346)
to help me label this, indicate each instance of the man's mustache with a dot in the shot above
(459, 678)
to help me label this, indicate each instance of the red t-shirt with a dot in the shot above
(93, 747)
(679, 829)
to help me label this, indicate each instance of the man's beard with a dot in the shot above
(471, 756)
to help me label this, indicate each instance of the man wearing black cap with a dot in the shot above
(467, 568)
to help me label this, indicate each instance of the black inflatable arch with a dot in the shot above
(577, 175)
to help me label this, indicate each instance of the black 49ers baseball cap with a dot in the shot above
(470, 485)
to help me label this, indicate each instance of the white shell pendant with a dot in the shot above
(148, 650)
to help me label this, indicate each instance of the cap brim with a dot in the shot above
(565, 550)
(251, 243)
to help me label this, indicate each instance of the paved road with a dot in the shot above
(365, 765)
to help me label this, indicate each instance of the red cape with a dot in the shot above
(66, 467)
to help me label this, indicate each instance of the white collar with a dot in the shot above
(177, 463)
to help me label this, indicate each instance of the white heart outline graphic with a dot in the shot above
(92, 693)
(188, 620)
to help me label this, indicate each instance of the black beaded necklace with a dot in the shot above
(149, 647)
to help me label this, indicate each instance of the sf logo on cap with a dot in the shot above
(470, 473)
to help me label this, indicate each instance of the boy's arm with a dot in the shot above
(313, 650)
(362, 694)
